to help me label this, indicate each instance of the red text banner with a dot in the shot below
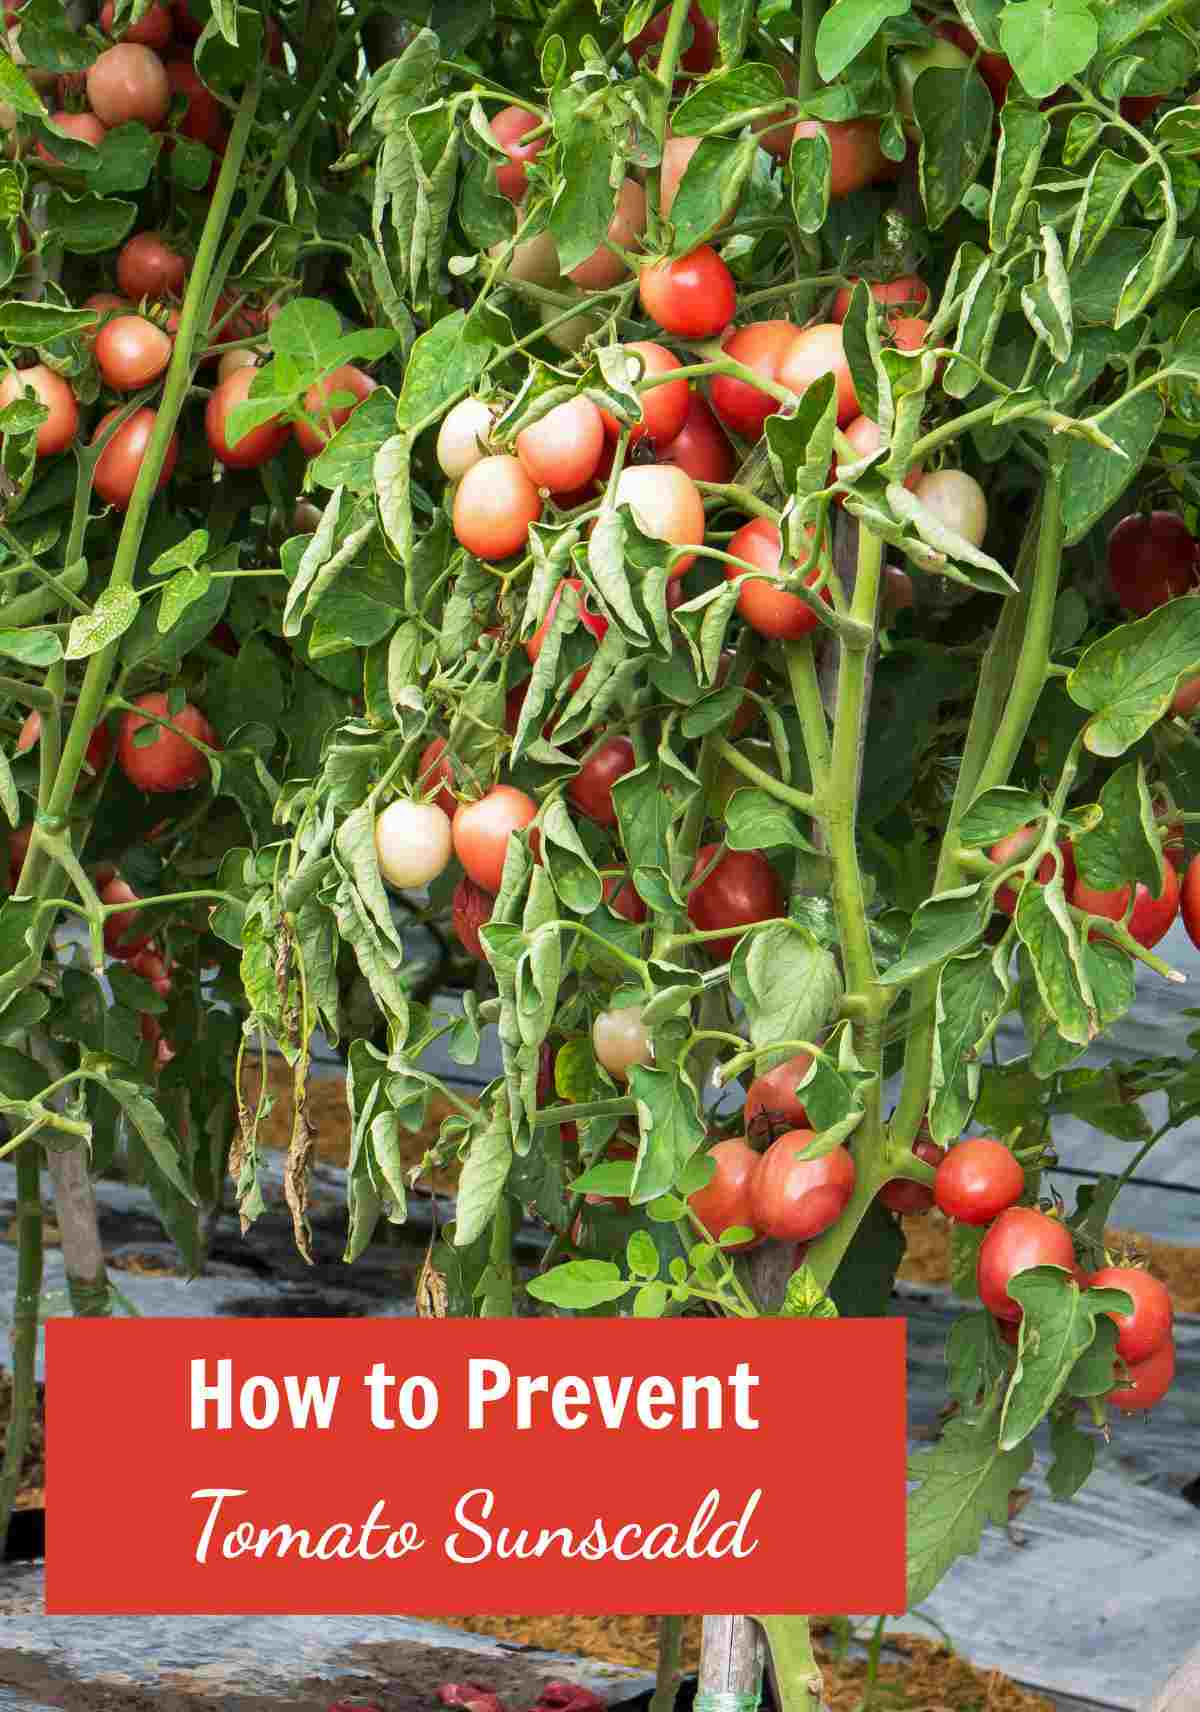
(424, 1467)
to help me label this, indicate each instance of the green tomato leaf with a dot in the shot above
(1047, 42)
(1126, 679)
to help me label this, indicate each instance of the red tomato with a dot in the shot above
(152, 30)
(330, 418)
(602, 269)
(1020, 843)
(1151, 559)
(187, 28)
(774, 1098)
(85, 127)
(857, 158)
(561, 450)
(623, 900)
(701, 450)
(762, 347)
(1187, 698)
(901, 296)
(169, 762)
(904, 1196)
(1191, 901)
(699, 56)
(664, 408)
(252, 449)
(724, 1202)
(494, 505)
(62, 424)
(151, 967)
(795, 1199)
(95, 757)
(978, 1179)
(594, 623)
(770, 610)
(1148, 1381)
(742, 888)
(18, 849)
(127, 83)
(866, 437)
(203, 120)
(1021, 1238)
(106, 304)
(1151, 916)
(692, 297)
(1144, 1331)
(147, 266)
(508, 127)
(481, 831)
(908, 332)
(666, 504)
(121, 936)
(591, 788)
(119, 463)
(897, 591)
(676, 158)
(436, 768)
(817, 351)
(470, 909)
(131, 352)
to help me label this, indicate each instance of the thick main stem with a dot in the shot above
(24, 1328)
(670, 1653)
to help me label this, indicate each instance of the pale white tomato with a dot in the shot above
(462, 430)
(412, 843)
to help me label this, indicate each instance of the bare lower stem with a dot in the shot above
(79, 1227)
(24, 1328)
(670, 1651)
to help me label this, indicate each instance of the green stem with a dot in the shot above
(24, 1328)
(660, 109)
(28, 608)
(803, 801)
(670, 1653)
(797, 1678)
(806, 694)
(808, 80)
(840, 801)
(498, 1303)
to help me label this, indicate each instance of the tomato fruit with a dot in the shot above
(330, 417)
(131, 352)
(957, 501)
(620, 1039)
(463, 437)
(761, 346)
(901, 296)
(562, 449)
(494, 504)
(676, 158)
(1144, 1330)
(818, 351)
(250, 450)
(203, 120)
(1017, 844)
(857, 158)
(1151, 915)
(724, 1201)
(96, 754)
(121, 936)
(795, 1199)
(896, 594)
(866, 437)
(743, 888)
(1151, 559)
(665, 407)
(623, 900)
(700, 54)
(770, 610)
(151, 967)
(470, 909)
(1148, 1381)
(234, 360)
(152, 30)
(1187, 698)
(128, 82)
(481, 830)
(84, 127)
(168, 762)
(602, 268)
(1190, 907)
(147, 266)
(508, 128)
(119, 463)
(18, 849)
(591, 788)
(59, 429)
(978, 1179)
(774, 1098)
(436, 768)
(692, 297)
(594, 623)
(901, 1195)
(666, 505)
(1021, 1238)
(701, 450)
(412, 843)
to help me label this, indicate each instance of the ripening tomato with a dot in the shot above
(561, 450)
(59, 429)
(435, 768)
(957, 501)
(741, 889)
(1191, 901)
(978, 1179)
(169, 761)
(152, 30)
(908, 67)
(774, 1097)
(908, 332)
(147, 266)
(1148, 1381)
(151, 967)
(762, 347)
(700, 54)
(412, 843)
(857, 159)
(233, 360)
(693, 296)
(1151, 559)
(95, 757)
(1151, 916)
(508, 127)
(866, 437)
(494, 504)
(770, 610)
(1018, 844)
(121, 936)
(119, 463)
(131, 352)
(701, 450)
(795, 1199)
(250, 450)
(1187, 698)
(902, 296)
(127, 83)
(665, 407)
(595, 623)
(1144, 1330)
(901, 1195)
(591, 788)
(470, 909)
(676, 158)
(203, 120)
(481, 831)
(666, 504)
(84, 127)
(623, 900)
(818, 351)
(620, 1039)
(724, 1201)
(330, 417)
(1021, 1238)
(602, 268)
(463, 437)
